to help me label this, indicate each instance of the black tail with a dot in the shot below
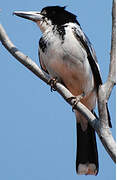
(87, 155)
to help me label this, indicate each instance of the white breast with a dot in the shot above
(68, 61)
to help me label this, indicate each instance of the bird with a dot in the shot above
(67, 55)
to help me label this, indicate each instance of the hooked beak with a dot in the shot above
(31, 15)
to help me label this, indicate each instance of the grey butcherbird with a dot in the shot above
(66, 53)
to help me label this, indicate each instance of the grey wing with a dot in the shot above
(80, 36)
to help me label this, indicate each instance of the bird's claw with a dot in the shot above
(52, 82)
(76, 99)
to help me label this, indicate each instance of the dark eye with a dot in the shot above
(53, 12)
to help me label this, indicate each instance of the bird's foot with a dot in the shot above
(52, 82)
(76, 99)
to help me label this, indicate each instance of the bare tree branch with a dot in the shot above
(100, 125)
(111, 81)
(106, 89)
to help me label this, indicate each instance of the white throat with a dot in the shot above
(44, 25)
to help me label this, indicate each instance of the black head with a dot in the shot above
(51, 15)
(58, 15)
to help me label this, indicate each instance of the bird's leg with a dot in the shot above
(52, 82)
(76, 100)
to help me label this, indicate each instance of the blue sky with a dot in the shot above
(37, 127)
